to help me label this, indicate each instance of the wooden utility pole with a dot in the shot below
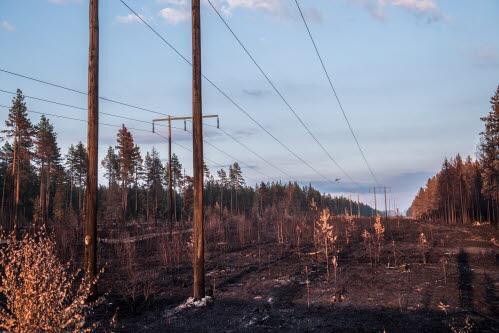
(92, 143)
(170, 168)
(375, 202)
(197, 147)
(170, 173)
(386, 206)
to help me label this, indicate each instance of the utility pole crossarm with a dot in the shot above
(171, 118)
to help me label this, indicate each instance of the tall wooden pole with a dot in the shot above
(92, 143)
(375, 202)
(170, 169)
(197, 143)
(386, 206)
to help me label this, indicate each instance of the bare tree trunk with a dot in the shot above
(3, 196)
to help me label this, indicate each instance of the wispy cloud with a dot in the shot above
(273, 7)
(130, 18)
(7, 26)
(256, 92)
(173, 2)
(427, 9)
(486, 56)
(64, 2)
(174, 15)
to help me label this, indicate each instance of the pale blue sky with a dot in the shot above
(414, 77)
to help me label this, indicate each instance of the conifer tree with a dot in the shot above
(111, 166)
(153, 170)
(20, 131)
(76, 161)
(489, 157)
(126, 162)
(47, 155)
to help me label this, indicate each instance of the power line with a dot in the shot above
(232, 157)
(77, 119)
(223, 93)
(76, 107)
(141, 121)
(278, 92)
(334, 91)
(78, 91)
(249, 149)
(149, 123)
(142, 130)
(214, 163)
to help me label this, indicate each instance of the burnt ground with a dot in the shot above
(264, 288)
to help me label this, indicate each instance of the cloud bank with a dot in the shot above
(427, 9)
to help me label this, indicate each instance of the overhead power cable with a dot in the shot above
(215, 164)
(79, 91)
(139, 130)
(279, 93)
(334, 92)
(149, 123)
(143, 121)
(76, 119)
(224, 94)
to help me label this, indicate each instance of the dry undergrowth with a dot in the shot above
(40, 295)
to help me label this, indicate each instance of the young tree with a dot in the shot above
(20, 131)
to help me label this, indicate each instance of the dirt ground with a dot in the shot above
(265, 288)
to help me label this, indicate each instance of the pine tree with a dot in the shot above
(126, 157)
(47, 155)
(137, 175)
(236, 180)
(111, 166)
(20, 131)
(77, 163)
(489, 156)
(153, 170)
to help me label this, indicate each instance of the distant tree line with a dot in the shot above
(38, 182)
(466, 191)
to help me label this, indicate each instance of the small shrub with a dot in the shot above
(379, 232)
(326, 232)
(40, 293)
